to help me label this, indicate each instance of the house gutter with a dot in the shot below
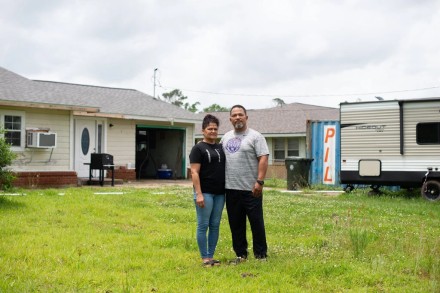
(135, 117)
(49, 106)
(100, 115)
(171, 120)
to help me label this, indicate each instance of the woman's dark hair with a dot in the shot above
(238, 106)
(210, 119)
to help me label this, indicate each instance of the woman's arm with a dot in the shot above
(195, 171)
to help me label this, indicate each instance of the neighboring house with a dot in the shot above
(142, 133)
(284, 128)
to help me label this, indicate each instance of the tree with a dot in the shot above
(6, 158)
(192, 108)
(279, 102)
(215, 108)
(177, 98)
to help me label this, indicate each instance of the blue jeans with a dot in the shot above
(208, 222)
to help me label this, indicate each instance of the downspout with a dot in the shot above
(401, 126)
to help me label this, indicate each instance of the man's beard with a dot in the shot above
(239, 125)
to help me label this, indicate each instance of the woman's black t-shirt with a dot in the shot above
(212, 166)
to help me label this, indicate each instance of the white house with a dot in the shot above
(141, 133)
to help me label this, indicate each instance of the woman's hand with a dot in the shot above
(200, 200)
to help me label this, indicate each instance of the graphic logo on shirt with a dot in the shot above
(209, 155)
(219, 156)
(233, 145)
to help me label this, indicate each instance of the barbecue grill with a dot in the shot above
(101, 162)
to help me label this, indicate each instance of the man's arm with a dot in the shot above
(263, 162)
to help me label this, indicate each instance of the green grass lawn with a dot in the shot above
(143, 240)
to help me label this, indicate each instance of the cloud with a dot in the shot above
(318, 52)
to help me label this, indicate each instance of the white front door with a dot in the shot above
(85, 144)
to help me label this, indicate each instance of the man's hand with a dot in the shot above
(257, 191)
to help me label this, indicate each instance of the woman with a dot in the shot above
(207, 161)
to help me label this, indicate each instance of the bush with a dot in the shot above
(6, 158)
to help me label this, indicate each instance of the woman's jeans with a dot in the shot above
(208, 222)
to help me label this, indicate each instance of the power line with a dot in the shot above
(303, 95)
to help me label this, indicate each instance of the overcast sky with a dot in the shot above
(230, 51)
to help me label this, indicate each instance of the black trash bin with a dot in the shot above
(298, 170)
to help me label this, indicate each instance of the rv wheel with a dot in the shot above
(375, 190)
(349, 188)
(431, 190)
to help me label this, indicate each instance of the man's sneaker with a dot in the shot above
(237, 260)
(261, 258)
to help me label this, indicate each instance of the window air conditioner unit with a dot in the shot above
(38, 139)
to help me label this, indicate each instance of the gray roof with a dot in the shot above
(128, 103)
(290, 119)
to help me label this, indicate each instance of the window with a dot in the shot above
(278, 149)
(284, 147)
(13, 124)
(293, 147)
(428, 133)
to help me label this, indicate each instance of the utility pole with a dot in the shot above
(154, 82)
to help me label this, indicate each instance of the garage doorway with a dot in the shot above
(160, 149)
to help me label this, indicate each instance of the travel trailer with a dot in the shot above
(391, 143)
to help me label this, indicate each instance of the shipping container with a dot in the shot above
(323, 146)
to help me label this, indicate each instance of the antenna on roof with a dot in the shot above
(154, 83)
(379, 98)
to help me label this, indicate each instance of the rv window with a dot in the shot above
(428, 133)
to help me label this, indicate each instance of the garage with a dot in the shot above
(160, 152)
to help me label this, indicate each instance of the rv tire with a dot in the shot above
(431, 190)
(349, 188)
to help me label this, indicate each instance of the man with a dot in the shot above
(246, 165)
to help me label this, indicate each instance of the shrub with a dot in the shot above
(6, 158)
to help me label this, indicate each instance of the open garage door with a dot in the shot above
(160, 152)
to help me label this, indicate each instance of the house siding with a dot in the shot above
(36, 159)
(190, 133)
(121, 141)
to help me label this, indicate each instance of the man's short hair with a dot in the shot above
(238, 106)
